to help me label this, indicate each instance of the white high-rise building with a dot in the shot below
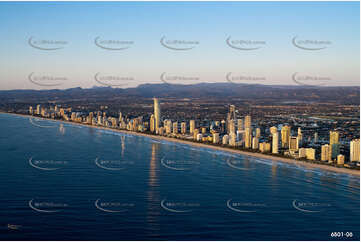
(157, 115)
(355, 150)
(275, 143)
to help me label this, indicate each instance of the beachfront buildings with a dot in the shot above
(355, 150)
(157, 115)
(234, 131)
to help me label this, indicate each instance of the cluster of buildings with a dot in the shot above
(232, 132)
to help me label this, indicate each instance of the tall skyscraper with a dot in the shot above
(157, 115)
(299, 136)
(248, 138)
(232, 126)
(240, 124)
(192, 126)
(355, 150)
(334, 144)
(285, 136)
(325, 152)
(334, 136)
(275, 143)
(152, 123)
(183, 127)
(247, 122)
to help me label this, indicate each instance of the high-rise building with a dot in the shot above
(340, 159)
(168, 126)
(335, 150)
(265, 147)
(285, 136)
(157, 114)
(30, 110)
(293, 143)
(152, 123)
(232, 139)
(215, 138)
(325, 152)
(195, 133)
(248, 138)
(204, 130)
(255, 142)
(334, 136)
(275, 143)
(225, 139)
(192, 126)
(240, 124)
(247, 122)
(310, 154)
(175, 128)
(299, 136)
(232, 126)
(302, 153)
(183, 127)
(258, 132)
(355, 150)
(38, 109)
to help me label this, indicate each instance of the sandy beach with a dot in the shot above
(305, 164)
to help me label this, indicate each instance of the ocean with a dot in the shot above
(61, 181)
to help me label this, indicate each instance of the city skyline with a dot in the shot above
(235, 131)
(187, 43)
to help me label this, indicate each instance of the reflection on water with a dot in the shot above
(122, 139)
(153, 196)
(61, 129)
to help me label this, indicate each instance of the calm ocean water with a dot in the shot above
(61, 181)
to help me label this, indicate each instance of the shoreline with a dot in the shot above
(225, 149)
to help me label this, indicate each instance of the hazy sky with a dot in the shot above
(67, 44)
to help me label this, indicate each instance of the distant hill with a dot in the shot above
(341, 95)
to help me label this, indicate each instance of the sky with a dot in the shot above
(47, 45)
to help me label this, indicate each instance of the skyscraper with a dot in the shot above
(157, 115)
(285, 136)
(183, 127)
(248, 138)
(293, 144)
(152, 123)
(325, 152)
(175, 128)
(239, 124)
(355, 150)
(275, 143)
(247, 122)
(334, 136)
(334, 144)
(299, 136)
(192, 126)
